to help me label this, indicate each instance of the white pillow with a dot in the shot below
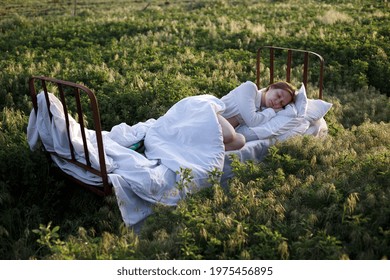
(301, 101)
(317, 128)
(316, 109)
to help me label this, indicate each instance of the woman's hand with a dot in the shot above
(278, 109)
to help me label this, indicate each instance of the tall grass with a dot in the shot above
(310, 199)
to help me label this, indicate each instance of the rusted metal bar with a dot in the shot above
(82, 127)
(258, 63)
(271, 65)
(105, 188)
(65, 108)
(321, 82)
(305, 68)
(47, 98)
(288, 69)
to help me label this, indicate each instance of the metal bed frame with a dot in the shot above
(78, 91)
(289, 52)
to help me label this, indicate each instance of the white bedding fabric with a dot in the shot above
(187, 136)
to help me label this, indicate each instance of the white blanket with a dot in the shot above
(187, 136)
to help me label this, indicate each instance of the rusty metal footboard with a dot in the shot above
(78, 91)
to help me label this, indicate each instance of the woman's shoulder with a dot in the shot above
(246, 88)
(250, 83)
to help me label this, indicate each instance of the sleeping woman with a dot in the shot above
(252, 107)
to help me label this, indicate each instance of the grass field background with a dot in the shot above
(310, 199)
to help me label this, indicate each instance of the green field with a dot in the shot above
(310, 199)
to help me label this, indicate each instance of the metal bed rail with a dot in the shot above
(77, 91)
(289, 53)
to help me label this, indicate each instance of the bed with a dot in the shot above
(148, 163)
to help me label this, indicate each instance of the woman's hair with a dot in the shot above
(284, 86)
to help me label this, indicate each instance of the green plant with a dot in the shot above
(48, 237)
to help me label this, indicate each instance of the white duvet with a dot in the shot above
(187, 136)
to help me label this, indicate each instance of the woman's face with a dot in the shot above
(277, 98)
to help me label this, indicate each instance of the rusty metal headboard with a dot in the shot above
(77, 91)
(289, 52)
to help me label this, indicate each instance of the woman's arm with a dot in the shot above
(246, 101)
